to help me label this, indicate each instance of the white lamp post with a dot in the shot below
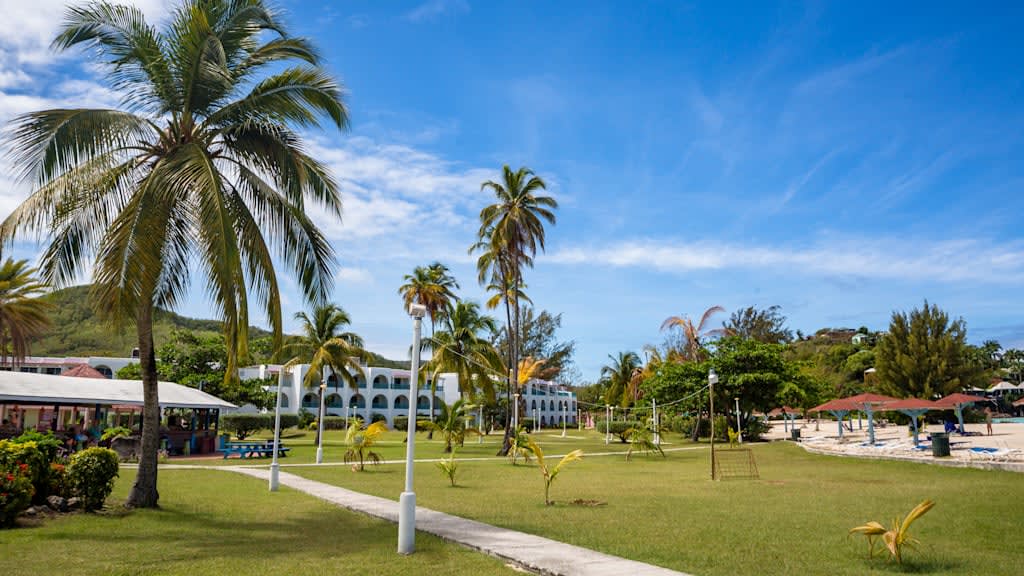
(712, 380)
(407, 501)
(607, 423)
(515, 412)
(564, 406)
(320, 425)
(274, 466)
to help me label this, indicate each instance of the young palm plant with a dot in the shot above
(451, 423)
(200, 173)
(360, 441)
(449, 468)
(896, 537)
(550, 473)
(641, 439)
(520, 446)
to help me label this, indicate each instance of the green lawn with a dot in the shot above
(668, 512)
(224, 523)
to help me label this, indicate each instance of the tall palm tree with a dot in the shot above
(433, 287)
(691, 347)
(511, 231)
(200, 173)
(462, 346)
(618, 373)
(325, 345)
(23, 315)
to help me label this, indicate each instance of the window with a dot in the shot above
(105, 370)
(29, 369)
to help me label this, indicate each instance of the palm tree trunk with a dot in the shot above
(506, 441)
(430, 432)
(144, 493)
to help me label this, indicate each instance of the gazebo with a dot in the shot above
(868, 402)
(914, 408)
(838, 408)
(957, 402)
(786, 412)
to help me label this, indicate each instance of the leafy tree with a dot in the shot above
(538, 339)
(197, 172)
(325, 346)
(199, 360)
(925, 355)
(768, 325)
(23, 314)
(618, 374)
(510, 232)
(692, 337)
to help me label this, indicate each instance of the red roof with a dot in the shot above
(868, 398)
(1019, 402)
(837, 404)
(912, 404)
(83, 371)
(954, 400)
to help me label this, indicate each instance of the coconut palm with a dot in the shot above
(461, 346)
(451, 423)
(619, 373)
(360, 441)
(511, 231)
(433, 287)
(199, 173)
(691, 347)
(552, 472)
(326, 346)
(23, 315)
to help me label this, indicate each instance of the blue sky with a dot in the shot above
(841, 161)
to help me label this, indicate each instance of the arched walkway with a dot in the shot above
(358, 401)
(401, 402)
(380, 402)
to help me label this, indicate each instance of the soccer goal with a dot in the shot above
(735, 463)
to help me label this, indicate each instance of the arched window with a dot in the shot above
(358, 401)
(105, 370)
(380, 381)
(423, 403)
(310, 401)
(551, 404)
(284, 400)
(332, 380)
(533, 405)
(380, 402)
(334, 401)
(401, 402)
(360, 380)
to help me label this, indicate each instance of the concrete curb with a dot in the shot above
(533, 553)
(949, 463)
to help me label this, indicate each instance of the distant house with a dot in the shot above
(859, 339)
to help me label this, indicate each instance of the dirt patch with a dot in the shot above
(582, 502)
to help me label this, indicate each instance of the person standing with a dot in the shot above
(988, 421)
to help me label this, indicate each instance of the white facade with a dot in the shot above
(549, 403)
(56, 366)
(383, 391)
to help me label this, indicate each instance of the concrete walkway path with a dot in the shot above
(534, 553)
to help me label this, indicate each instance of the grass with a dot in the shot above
(668, 512)
(223, 523)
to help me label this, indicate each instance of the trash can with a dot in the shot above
(795, 434)
(940, 444)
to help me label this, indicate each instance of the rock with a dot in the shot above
(31, 511)
(74, 503)
(44, 509)
(57, 503)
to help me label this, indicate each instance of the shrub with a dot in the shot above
(47, 443)
(305, 417)
(37, 467)
(377, 417)
(335, 423)
(115, 432)
(58, 481)
(91, 474)
(756, 428)
(449, 467)
(15, 493)
(402, 424)
(526, 423)
(895, 538)
(618, 428)
(244, 425)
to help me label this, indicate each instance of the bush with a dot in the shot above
(47, 443)
(91, 474)
(402, 424)
(756, 428)
(37, 467)
(115, 432)
(526, 423)
(244, 425)
(377, 417)
(15, 493)
(305, 417)
(618, 428)
(58, 481)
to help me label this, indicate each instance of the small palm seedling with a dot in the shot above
(896, 537)
(451, 423)
(359, 442)
(520, 446)
(449, 467)
(734, 438)
(551, 473)
(641, 439)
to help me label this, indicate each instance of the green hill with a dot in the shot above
(77, 331)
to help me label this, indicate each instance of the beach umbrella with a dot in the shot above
(957, 402)
(913, 407)
(786, 412)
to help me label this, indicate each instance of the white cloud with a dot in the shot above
(352, 275)
(434, 8)
(960, 260)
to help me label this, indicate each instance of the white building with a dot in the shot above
(57, 366)
(383, 391)
(549, 402)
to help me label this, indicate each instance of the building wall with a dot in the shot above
(54, 365)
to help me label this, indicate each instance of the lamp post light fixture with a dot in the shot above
(712, 380)
(407, 501)
(739, 423)
(274, 466)
(320, 425)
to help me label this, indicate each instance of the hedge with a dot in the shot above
(618, 428)
(243, 425)
(91, 474)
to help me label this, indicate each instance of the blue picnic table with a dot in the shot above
(253, 449)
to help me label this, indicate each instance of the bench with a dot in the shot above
(253, 449)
